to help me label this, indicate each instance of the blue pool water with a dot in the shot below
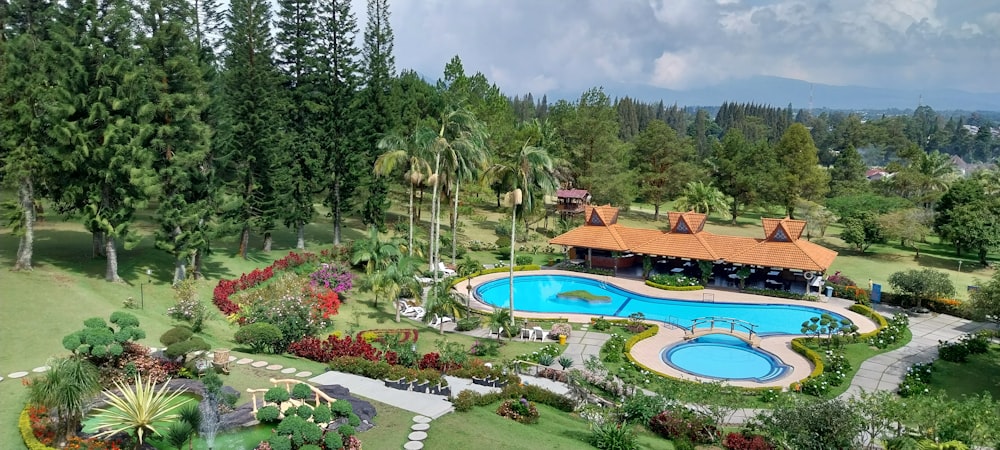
(537, 293)
(724, 357)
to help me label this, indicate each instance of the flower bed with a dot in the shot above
(404, 334)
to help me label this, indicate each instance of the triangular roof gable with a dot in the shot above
(783, 230)
(688, 222)
(601, 215)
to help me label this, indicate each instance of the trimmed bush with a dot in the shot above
(301, 391)
(468, 323)
(262, 337)
(668, 287)
(276, 395)
(176, 334)
(322, 413)
(268, 414)
(341, 408)
(304, 411)
(650, 332)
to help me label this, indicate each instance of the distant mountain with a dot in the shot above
(779, 92)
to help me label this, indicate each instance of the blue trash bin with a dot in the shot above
(829, 291)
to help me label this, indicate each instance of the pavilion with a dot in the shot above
(781, 259)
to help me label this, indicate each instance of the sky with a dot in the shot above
(541, 46)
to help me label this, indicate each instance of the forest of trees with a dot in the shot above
(232, 122)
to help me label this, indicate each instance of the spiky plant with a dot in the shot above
(138, 409)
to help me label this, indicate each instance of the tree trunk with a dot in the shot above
(268, 240)
(409, 246)
(982, 257)
(420, 203)
(735, 210)
(196, 270)
(656, 212)
(180, 271)
(513, 226)
(244, 241)
(454, 228)
(336, 213)
(112, 253)
(434, 209)
(25, 248)
(300, 236)
(97, 243)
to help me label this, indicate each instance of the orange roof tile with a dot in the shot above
(795, 253)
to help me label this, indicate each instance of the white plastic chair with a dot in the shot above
(538, 332)
(446, 271)
(440, 320)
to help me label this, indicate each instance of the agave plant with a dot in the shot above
(137, 409)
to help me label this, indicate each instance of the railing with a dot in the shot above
(749, 329)
(318, 394)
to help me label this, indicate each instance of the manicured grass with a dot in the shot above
(482, 428)
(981, 373)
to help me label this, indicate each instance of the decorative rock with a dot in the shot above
(273, 367)
(421, 419)
(417, 436)
(287, 370)
(40, 369)
(258, 364)
(244, 361)
(17, 374)
(232, 358)
(413, 445)
(304, 374)
(420, 427)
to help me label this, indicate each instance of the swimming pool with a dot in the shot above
(538, 293)
(724, 357)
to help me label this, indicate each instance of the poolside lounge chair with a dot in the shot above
(539, 333)
(415, 313)
(445, 270)
(423, 280)
(440, 320)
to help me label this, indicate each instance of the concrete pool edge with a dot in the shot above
(646, 352)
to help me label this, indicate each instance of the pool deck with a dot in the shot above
(647, 351)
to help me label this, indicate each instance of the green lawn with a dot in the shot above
(482, 428)
(857, 353)
(981, 373)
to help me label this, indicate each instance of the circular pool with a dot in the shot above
(724, 357)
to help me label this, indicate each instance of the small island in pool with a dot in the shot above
(585, 296)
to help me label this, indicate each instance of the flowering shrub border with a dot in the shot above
(674, 288)
(405, 334)
(226, 288)
(870, 313)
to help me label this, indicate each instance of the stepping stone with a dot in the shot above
(1, 378)
(420, 427)
(413, 445)
(421, 419)
(258, 364)
(17, 374)
(232, 358)
(417, 436)
(273, 367)
(287, 370)
(40, 369)
(244, 361)
(304, 374)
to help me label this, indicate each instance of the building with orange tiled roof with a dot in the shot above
(780, 259)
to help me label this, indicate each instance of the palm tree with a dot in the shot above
(465, 164)
(138, 409)
(375, 253)
(459, 133)
(702, 198)
(530, 176)
(501, 318)
(398, 151)
(67, 390)
(443, 302)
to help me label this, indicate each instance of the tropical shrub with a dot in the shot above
(956, 352)
(468, 323)
(681, 423)
(601, 324)
(892, 333)
(674, 280)
(334, 346)
(521, 411)
(523, 260)
(830, 424)
(226, 288)
(741, 441)
(99, 341)
(262, 337)
(916, 381)
(609, 435)
(640, 408)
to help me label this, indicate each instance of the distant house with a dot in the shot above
(965, 168)
(876, 173)
(571, 202)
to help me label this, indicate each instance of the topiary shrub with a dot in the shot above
(276, 395)
(322, 414)
(301, 391)
(176, 334)
(341, 408)
(333, 439)
(353, 419)
(346, 430)
(183, 348)
(524, 260)
(521, 411)
(304, 411)
(268, 414)
(262, 337)
(99, 340)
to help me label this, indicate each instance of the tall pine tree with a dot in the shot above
(107, 172)
(179, 139)
(298, 165)
(29, 69)
(251, 131)
(339, 129)
(378, 69)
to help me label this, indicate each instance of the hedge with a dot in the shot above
(871, 314)
(674, 288)
(27, 434)
(798, 344)
(651, 331)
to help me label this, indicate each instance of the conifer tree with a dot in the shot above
(378, 69)
(179, 139)
(339, 130)
(251, 131)
(297, 166)
(29, 68)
